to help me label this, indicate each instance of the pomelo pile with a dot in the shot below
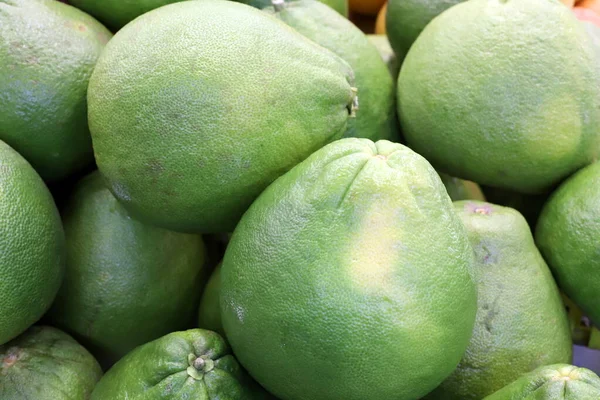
(211, 200)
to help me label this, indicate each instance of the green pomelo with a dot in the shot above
(521, 320)
(406, 19)
(218, 123)
(47, 53)
(46, 364)
(376, 118)
(126, 283)
(459, 189)
(32, 248)
(568, 235)
(116, 13)
(481, 85)
(553, 382)
(386, 52)
(349, 278)
(209, 312)
(194, 364)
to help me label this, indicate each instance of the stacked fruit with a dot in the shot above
(212, 201)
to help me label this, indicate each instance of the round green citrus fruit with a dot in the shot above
(552, 382)
(32, 250)
(194, 364)
(116, 13)
(459, 189)
(406, 19)
(47, 53)
(197, 106)
(521, 320)
(386, 52)
(126, 283)
(46, 364)
(568, 234)
(349, 278)
(483, 98)
(209, 311)
(376, 118)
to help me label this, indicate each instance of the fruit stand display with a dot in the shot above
(299, 200)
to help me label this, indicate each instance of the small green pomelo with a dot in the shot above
(116, 13)
(568, 235)
(32, 249)
(46, 364)
(483, 98)
(126, 283)
(459, 189)
(552, 382)
(197, 106)
(386, 52)
(406, 19)
(376, 118)
(349, 278)
(194, 364)
(521, 321)
(209, 311)
(47, 53)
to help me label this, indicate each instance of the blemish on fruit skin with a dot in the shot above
(10, 359)
(481, 209)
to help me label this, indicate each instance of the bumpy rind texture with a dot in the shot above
(32, 250)
(479, 97)
(567, 234)
(126, 283)
(116, 13)
(164, 370)
(406, 19)
(45, 363)
(521, 320)
(553, 382)
(189, 131)
(47, 53)
(349, 278)
(209, 311)
(318, 22)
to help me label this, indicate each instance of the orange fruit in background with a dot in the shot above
(591, 4)
(366, 7)
(380, 23)
(568, 3)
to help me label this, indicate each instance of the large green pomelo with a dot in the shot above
(349, 278)
(568, 235)
(47, 53)
(521, 320)
(552, 382)
(376, 118)
(406, 19)
(32, 245)
(46, 364)
(483, 98)
(126, 283)
(194, 364)
(196, 107)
